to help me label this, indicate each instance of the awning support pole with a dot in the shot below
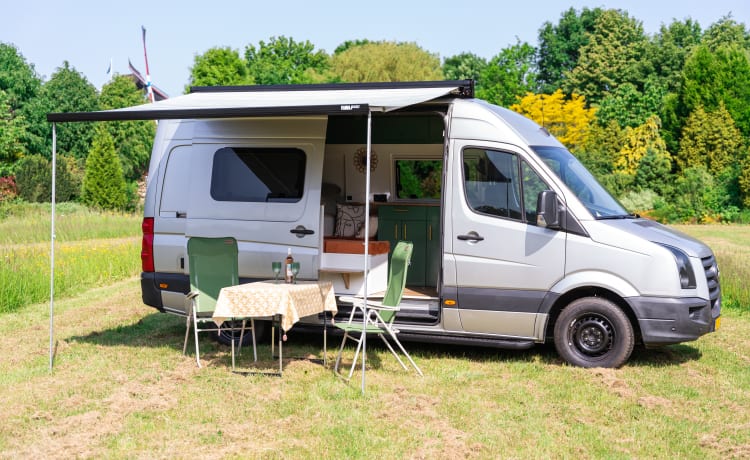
(52, 253)
(367, 243)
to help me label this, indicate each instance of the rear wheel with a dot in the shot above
(230, 331)
(594, 332)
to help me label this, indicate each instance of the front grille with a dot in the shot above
(712, 278)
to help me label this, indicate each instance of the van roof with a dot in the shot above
(281, 100)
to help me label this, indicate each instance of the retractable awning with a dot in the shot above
(250, 101)
(258, 101)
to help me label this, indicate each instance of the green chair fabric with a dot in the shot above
(213, 265)
(380, 315)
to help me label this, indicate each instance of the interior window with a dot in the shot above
(418, 179)
(491, 182)
(258, 174)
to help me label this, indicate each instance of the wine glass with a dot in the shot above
(276, 270)
(295, 271)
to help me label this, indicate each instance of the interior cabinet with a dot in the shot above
(419, 224)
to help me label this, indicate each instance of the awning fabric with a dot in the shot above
(248, 101)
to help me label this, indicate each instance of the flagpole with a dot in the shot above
(149, 89)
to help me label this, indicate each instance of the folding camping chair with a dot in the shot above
(213, 265)
(380, 315)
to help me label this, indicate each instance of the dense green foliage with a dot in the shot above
(646, 113)
(104, 185)
(133, 139)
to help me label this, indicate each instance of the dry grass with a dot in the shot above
(121, 388)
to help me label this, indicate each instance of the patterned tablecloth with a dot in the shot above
(268, 298)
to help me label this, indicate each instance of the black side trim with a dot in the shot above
(500, 299)
(466, 87)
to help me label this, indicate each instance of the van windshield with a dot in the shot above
(580, 181)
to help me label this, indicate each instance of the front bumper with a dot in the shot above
(666, 321)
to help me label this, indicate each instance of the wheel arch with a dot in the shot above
(565, 299)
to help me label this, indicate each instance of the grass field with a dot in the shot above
(121, 388)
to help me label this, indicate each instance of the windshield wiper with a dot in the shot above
(619, 216)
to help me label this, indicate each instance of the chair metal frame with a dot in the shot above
(380, 315)
(219, 258)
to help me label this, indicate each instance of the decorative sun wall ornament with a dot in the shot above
(360, 160)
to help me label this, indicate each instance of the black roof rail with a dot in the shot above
(466, 87)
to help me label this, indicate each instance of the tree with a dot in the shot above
(509, 75)
(12, 130)
(726, 32)
(669, 48)
(69, 91)
(560, 45)
(640, 142)
(219, 67)
(567, 119)
(34, 179)
(386, 61)
(103, 184)
(710, 140)
(132, 139)
(283, 61)
(464, 66)
(630, 107)
(711, 78)
(601, 150)
(350, 44)
(610, 58)
(23, 89)
(17, 78)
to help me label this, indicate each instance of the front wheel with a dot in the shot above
(594, 332)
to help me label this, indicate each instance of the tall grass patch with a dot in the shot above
(79, 265)
(30, 223)
(731, 246)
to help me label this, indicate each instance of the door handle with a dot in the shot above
(301, 231)
(471, 236)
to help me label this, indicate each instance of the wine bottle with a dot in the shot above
(288, 276)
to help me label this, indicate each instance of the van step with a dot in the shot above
(506, 344)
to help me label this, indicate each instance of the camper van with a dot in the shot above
(515, 242)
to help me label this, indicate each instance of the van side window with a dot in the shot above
(491, 182)
(258, 174)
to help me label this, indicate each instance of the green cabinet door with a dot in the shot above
(410, 223)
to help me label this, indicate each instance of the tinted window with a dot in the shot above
(499, 184)
(258, 174)
(491, 182)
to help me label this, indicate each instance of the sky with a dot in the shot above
(91, 34)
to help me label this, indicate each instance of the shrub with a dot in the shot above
(34, 179)
(8, 189)
(103, 183)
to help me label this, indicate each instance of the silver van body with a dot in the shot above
(521, 245)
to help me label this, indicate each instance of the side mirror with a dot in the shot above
(547, 214)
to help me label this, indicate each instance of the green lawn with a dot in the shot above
(121, 388)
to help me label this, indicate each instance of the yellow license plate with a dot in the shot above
(717, 323)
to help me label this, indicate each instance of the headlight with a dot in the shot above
(684, 268)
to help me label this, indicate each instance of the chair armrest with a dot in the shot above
(192, 294)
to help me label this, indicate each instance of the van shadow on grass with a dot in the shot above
(160, 330)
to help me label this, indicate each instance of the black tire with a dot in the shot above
(594, 332)
(226, 335)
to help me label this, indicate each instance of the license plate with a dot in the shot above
(717, 323)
